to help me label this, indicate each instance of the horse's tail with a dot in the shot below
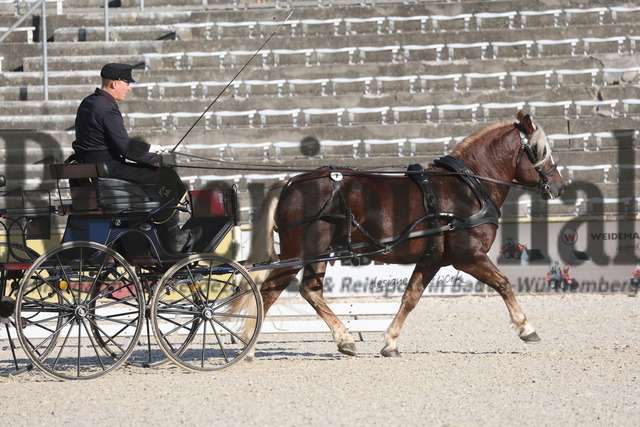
(262, 250)
(262, 242)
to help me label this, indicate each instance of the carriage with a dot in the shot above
(110, 294)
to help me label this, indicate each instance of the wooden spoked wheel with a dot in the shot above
(81, 311)
(206, 313)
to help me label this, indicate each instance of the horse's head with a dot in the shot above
(535, 165)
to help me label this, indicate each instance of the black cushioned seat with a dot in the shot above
(91, 190)
(119, 194)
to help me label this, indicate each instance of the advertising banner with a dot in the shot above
(576, 255)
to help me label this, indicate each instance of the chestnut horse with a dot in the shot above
(389, 218)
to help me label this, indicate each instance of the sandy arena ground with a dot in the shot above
(461, 365)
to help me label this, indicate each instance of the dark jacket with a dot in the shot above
(100, 128)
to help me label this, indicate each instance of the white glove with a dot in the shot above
(156, 149)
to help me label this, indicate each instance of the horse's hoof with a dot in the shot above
(348, 348)
(390, 352)
(531, 338)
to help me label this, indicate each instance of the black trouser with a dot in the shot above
(163, 182)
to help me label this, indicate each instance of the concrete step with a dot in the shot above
(202, 72)
(274, 112)
(61, 63)
(55, 92)
(381, 6)
(191, 97)
(221, 11)
(116, 33)
(28, 108)
(38, 122)
(398, 40)
(293, 90)
(449, 128)
(386, 25)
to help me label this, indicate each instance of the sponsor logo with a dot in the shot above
(615, 236)
(569, 236)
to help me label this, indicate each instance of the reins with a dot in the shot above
(248, 167)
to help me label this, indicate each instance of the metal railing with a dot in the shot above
(43, 40)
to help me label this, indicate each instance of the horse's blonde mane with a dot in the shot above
(540, 143)
(538, 140)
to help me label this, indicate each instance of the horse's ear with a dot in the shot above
(520, 116)
(527, 124)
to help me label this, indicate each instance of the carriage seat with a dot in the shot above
(119, 194)
(91, 190)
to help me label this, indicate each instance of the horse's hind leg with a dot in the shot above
(418, 281)
(276, 282)
(311, 291)
(485, 271)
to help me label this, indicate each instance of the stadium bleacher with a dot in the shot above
(360, 77)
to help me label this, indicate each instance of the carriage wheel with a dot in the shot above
(80, 309)
(206, 313)
(13, 360)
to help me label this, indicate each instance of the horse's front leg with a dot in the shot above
(485, 271)
(311, 290)
(419, 280)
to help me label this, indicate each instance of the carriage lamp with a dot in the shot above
(63, 285)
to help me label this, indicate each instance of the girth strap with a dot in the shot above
(431, 208)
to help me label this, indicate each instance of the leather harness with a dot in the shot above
(488, 212)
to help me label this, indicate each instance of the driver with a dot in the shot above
(101, 137)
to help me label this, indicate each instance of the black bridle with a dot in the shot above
(544, 184)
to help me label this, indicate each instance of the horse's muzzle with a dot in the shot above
(551, 191)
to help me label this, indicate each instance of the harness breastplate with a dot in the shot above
(488, 212)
